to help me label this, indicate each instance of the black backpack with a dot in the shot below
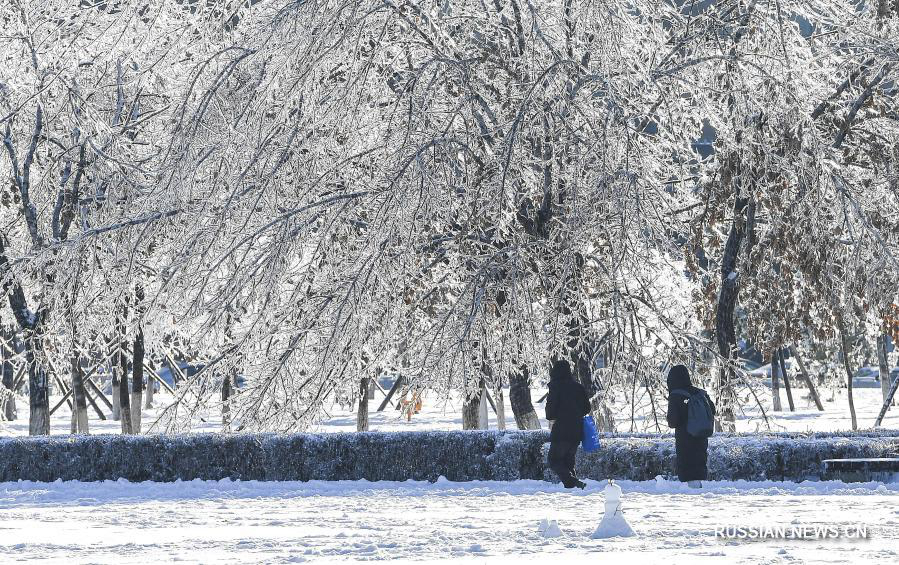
(700, 422)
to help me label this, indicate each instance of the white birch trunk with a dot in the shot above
(500, 409)
(116, 401)
(148, 397)
(137, 399)
(482, 410)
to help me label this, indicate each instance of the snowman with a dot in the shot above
(613, 523)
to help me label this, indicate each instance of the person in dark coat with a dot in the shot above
(692, 451)
(566, 406)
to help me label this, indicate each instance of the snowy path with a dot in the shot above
(488, 522)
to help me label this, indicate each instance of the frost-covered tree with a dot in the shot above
(85, 93)
(792, 203)
(461, 190)
(301, 194)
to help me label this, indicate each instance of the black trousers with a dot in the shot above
(692, 457)
(561, 460)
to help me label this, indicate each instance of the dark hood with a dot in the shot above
(679, 377)
(560, 370)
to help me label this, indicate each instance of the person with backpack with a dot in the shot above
(692, 415)
(566, 406)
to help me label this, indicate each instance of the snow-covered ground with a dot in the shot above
(446, 414)
(451, 523)
(478, 522)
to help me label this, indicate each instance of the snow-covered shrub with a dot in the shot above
(732, 458)
(518, 455)
(215, 456)
(791, 457)
(135, 458)
(458, 456)
(282, 456)
(398, 456)
(627, 457)
(801, 459)
(505, 461)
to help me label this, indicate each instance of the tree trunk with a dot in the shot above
(603, 417)
(471, 411)
(79, 412)
(500, 409)
(373, 383)
(38, 389)
(887, 403)
(122, 368)
(124, 395)
(775, 382)
(486, 375)
(583, 373)
(520, 401)
(362, 412)
(148, 396)
(8, 375)
(227, 389)
(137, 380)
(725, 332)
(783, 371)
(483, 415)
(807, 379)
(30, 324)
(844, 347)
(883, 365)
(116, 395)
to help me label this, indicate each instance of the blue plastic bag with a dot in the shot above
(590, 441)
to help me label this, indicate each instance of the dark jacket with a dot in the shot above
(566, 404)
(692, 452)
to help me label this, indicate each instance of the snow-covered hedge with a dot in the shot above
(790, 457)
(458, 456)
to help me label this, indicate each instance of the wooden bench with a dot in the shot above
(883, 469)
